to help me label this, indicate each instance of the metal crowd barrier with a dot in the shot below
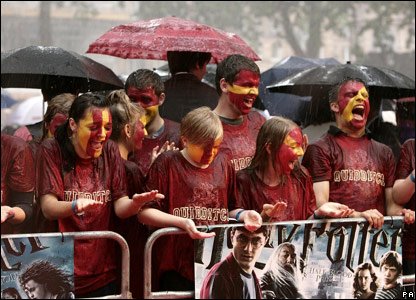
(148, 294)
(408, 280)
(125, 253)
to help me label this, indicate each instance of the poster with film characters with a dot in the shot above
(27, 260)
(314, 259)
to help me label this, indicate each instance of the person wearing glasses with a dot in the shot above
(234, 277)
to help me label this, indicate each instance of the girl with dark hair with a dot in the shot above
(80, 180)
(365, 281)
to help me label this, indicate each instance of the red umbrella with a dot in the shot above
(152, 39)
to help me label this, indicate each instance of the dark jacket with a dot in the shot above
(224, 281)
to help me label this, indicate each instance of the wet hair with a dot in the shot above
(185, 61)
(77, 111)
(392, 258)
(333, 92)
(56, 280)
(123, 112)
(59, 104)
(265, 229)
(11, 292)
(231, 66)
(272, 132)
(201, 126)
(144, 78)
(374, 283)
(55, 85)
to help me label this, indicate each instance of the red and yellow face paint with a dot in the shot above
(244, 90)
(291, 150)
(93, 131)
(203, 155)
(353, 103)
(56, 121)
(147, 99)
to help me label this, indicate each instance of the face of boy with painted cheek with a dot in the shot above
(204, 155)
(147, 99)
(354, 104)
(244, 91)
(94, 131)
(291, 150)
(56, 121)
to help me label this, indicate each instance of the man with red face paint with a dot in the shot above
(237, 80)
(145, 88)
(80, 179)
(349, 167)
(204, 194)
(275, 184)
(185, 90)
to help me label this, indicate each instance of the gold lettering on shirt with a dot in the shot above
(202, 213)
(359, 175)
(100, 196)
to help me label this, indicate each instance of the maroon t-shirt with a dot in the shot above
(358, 169)
(239, 141)
(296, 192)
(102, 179)
(143, 157)
(405, 166)
(17, 172)
(203, 195)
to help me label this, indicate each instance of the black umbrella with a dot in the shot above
(382, 82)
(290, 106)
(33, 66)
(316, 82)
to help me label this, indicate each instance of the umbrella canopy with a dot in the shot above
(317, 81)
(290, 106)
(32, 66)
(382, 82)
(151, 39)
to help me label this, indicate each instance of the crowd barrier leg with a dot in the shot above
(125, 259)
(148, 294)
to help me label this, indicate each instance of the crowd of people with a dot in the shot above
(178, 154)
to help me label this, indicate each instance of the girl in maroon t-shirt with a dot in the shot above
(199, 189)
(80, 179)
(275, 184)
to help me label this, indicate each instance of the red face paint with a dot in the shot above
(290, 150)
(56, 121)
(244, 90)
(94, 130)
(138, 135)
(203, 155)
(353, 103)
(144, 97)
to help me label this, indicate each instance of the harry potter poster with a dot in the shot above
(37, 267)
(298, 259)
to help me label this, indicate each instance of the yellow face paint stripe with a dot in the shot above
(347, 113)
(241, 90)
(290, 142)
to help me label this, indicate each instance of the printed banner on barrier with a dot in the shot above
(333, 259)
(37, 267)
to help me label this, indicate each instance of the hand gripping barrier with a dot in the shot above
(125, 253)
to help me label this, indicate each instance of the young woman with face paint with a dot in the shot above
(349, 167)
(145, 88)
(199, 186)
(237, 80)
(80, 180)
(275, 183)
(128, 132)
